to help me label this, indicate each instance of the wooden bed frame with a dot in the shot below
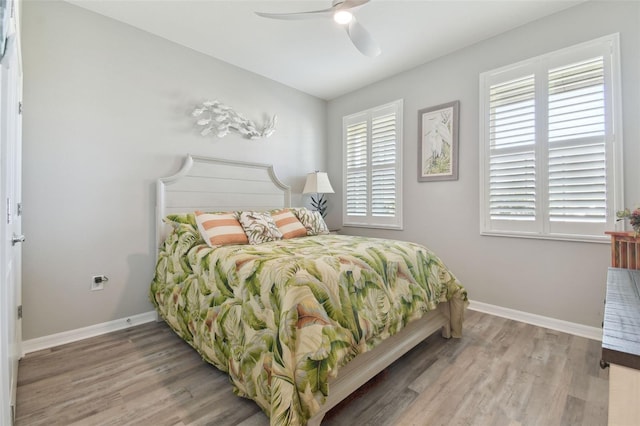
(210, 184)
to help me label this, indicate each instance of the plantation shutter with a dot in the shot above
(550, 152)
(577, 151)
(383, 164)
(356, 181)
(512, 171)
(372, 147)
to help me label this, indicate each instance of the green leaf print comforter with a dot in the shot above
(281, 317)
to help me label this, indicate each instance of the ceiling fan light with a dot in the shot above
(342, 17)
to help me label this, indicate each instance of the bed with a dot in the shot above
(300, 323)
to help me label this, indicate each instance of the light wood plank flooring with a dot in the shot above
(501, 372)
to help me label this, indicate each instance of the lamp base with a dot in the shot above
(319, 204)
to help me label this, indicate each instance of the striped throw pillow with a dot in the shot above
(288, 224)
(219, 229)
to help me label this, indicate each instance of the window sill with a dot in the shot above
(390, 227)
(604, 239)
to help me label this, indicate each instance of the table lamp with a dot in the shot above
(318, 183)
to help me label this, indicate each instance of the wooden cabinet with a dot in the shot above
(621, 345)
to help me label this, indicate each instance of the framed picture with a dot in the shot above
(438, 142)
(6, 10)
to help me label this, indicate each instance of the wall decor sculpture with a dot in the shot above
(220, 119)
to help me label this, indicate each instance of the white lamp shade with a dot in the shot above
(318, 183)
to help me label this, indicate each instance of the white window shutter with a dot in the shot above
(384, 141)
(372, 167)
(512, 133)
(356, 159)
(551, 163)
(577, 151)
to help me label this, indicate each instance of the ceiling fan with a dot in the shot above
(340, 11)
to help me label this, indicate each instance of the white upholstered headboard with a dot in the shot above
(211, 184)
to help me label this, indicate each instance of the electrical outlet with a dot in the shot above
(97, 282)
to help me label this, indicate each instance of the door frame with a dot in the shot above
(10, 216)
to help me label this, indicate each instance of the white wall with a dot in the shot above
(562, 280)
(106, 112)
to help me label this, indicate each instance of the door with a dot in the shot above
(10, 227)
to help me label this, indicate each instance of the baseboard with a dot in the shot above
(593, 333)
(65, 337)
(58, 339)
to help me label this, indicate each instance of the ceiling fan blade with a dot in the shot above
(362, 40)
(348, 4)
(298, 15)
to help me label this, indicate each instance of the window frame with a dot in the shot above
(542, 227)
(368, 220)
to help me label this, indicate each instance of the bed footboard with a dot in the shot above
(366, 365)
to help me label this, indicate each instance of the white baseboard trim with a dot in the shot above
(576, 329)
(65, 337)
(46, 342)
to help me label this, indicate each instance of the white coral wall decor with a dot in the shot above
(219, 119)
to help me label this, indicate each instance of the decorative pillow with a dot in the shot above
(312, 221)
(183, 226)
(181, 223)
(288, 224)
(219, 229)
(182, 238)
(178, 218)
(259, 227)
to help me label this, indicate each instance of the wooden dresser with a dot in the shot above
(621, 330)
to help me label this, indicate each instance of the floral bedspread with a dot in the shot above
(281, 317)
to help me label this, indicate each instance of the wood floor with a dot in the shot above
(501, 372)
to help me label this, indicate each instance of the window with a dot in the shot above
(372, 148)
(551, 144)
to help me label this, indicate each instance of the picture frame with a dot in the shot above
(438, 142)
(6, 12)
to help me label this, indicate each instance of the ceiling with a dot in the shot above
(316, 55)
